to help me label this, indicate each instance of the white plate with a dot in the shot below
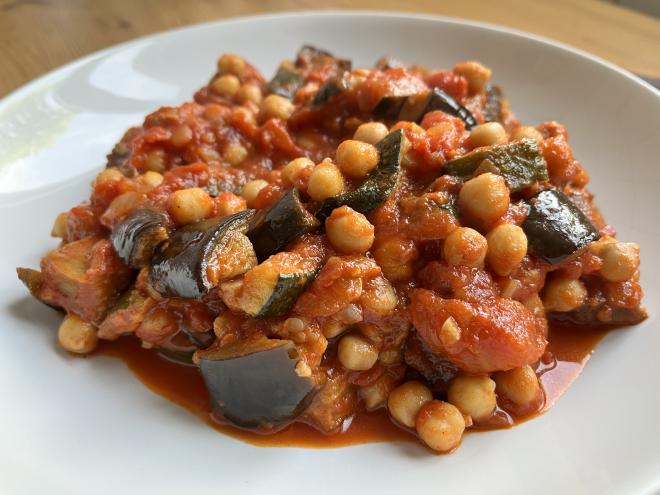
(72, 425)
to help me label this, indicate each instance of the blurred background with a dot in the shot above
(39, 35)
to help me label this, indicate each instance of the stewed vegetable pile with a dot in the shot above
(340, 239)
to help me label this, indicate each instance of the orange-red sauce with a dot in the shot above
(570, 347)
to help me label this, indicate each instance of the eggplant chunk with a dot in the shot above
(378, 185)
(417, 106)
(285, 82)
(199, 256)
(135, 239)
(272, 229)
(555, 227)
(493, 106)
(254, 383)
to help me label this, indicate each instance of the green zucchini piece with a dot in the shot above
(389, 107)
(273, 287)
(285, 82)
(272, 229)
(135, 239)
(253, 382)
(520, 163)
(417, 106)
(196, 257)
(555, 227)
(331, 88)
(493, 106)
(378, 185)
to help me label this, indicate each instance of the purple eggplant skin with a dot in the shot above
(414, 109)
(136, 238)
(178, 268)
(253, 383)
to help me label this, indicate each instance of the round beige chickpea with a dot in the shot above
(406, 400)
(231, 64)
(76, 335)
(249, 92)
(293, 170)
(396, 257)
(181, 136)
(487, 134)
(371, 132)
(526, 132)
(349, 231)
(251, 190)
(440, 425)
(521, 388)
(276, 107)
(356, 159)
(325, 181)
(507, 246)
(473, 395)
(189, 205)
(562, 294)
(356, 353)
(485, 198)
(465, 246)
(227, 85)
(620, 261)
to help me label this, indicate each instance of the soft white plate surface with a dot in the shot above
(71, 426)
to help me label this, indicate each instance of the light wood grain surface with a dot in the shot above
(39, 35)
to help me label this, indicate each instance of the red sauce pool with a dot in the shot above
(571, 348)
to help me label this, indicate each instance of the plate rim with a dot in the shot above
(25, 89)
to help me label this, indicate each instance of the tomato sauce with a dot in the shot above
(569, 349)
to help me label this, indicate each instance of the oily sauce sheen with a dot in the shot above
(569, 349)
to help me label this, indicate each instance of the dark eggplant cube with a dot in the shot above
(136, 238)
(555, 227)
(285, 82)
(415, 108)
(254, 383)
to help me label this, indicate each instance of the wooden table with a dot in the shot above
(39, 35)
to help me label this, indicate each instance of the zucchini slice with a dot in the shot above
(198, 256)
(273, 287)
(272, 229)
(331, 88)
(520, 163)
(417, 106)
(378, 185)
(493, 106)
(285, 82)
(135, 239)
(253, 382)
(555, 227)
(389, 107)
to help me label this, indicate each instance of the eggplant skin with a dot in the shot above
(136, 238)
(253, 383)
(179, 265)
(555, 227)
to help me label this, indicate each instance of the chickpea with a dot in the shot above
(476, 75)
(59, 226)
(181, 135)
(356, 353)
(465, 246)
(485, 197)
(371, 132)
(375, 395)
(521, 387)
(325, 181)
(251, 190)
(620, 261)
(473, 395)
(189, 205)
(76, 335)
(396, 256)
(235, 154)
(378, 296)
(227, 203)
(450, 332)
(294, 170)
(227, 85)
(349, 231)
(487, 134)
(405, 401)
(526, 132)
(249, 92)
(108, 175)
(155, 161)
(151, 179)
(440, 425)
(507, 246)
(276, 107)
(231, 64)
(356, 159)
(563, 295)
